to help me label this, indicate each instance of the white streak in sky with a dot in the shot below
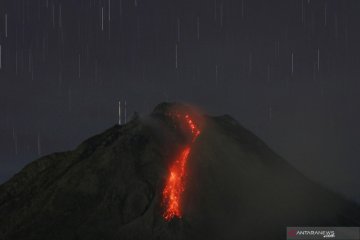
(292, 63)
(6, 25)
(176, 56)
(60, 16)
(277, 48)
(109, 13)
(102, 19)
(125, 113)
(336, 26)
(119, 112)
(69, 100)
(79, 66)
(215, 11)
(38, 145)
(59, 83)
(318, 59)
(221, 14)
(250, 63)
(270, 112)
(30, 61)
(216, 74)
(15, 141)
(16, 62)
(53, 15)
(198, 28)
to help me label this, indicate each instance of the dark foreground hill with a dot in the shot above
(110, 187)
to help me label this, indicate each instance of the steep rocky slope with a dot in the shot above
(111, 186)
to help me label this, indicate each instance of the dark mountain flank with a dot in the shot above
(112, 186)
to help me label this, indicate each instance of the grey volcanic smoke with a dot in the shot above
(111, 185)
(286, 70)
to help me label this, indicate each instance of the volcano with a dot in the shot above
(175, 174)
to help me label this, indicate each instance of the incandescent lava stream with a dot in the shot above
(175, 182)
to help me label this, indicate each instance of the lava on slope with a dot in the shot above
(175, 182)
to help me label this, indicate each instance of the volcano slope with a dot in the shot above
(112, 187)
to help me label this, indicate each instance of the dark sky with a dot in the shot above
(287, 70)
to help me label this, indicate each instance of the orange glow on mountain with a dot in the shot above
(175, 182)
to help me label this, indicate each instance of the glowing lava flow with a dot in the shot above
(175, 184)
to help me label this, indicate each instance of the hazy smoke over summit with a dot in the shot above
(113, 186)
(287, 70)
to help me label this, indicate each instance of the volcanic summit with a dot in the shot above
(175, 174)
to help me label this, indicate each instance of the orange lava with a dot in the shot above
(175, 184)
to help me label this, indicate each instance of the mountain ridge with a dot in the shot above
(110, 187)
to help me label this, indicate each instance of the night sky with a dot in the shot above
(287, 70)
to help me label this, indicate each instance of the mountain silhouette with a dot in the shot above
(112, 186)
